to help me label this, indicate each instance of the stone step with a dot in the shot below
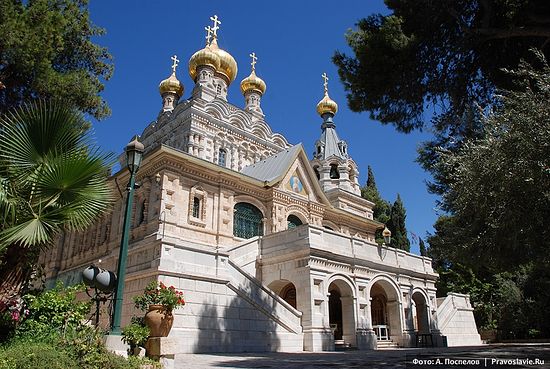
(387, 345)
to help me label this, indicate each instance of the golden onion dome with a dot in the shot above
(253, 83)
(171, 84)
(228, 65)
(203, 57)
(327, 105)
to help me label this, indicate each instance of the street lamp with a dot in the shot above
(134, 153)
(386, 233)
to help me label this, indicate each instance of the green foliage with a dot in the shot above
(381, 211)
(51, 179)
(35, 355)
(396, 225)
(46, 52)
(136, 333)
(422, 247)
(156, 293)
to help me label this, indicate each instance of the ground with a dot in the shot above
(508, 356)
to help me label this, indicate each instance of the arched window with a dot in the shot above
(221, 157)
(141, 217)
(293, 221)
(334, 174)
(247, 221)
(196, 207)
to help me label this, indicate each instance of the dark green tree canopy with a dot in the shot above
(396, 225)
(46, 52)
(369, 191)
(438, 56)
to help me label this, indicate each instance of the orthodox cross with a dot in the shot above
(325, 83)
(253, 62)
(175, 64)
(215, 28)
(208, 34)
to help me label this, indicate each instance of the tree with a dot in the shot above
(381, 210)
(396, 225)
(46, 52)
(422, 247)
(442, 55)
(51, 179)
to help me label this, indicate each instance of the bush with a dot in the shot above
(136, 333)
(35, 355)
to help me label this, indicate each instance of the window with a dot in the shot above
(247, 221)
(221, 157)
(219, 89)
(334, 174)
(293, 221)
(141, 213)
(196, 207)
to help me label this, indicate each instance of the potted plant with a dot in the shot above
(159, 301)
(135, 334)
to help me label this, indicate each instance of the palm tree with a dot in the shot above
(51, 179)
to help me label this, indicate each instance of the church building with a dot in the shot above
(273, 249)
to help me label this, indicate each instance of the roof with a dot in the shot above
(273, 166)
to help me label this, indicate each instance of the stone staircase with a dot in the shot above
(386, 345)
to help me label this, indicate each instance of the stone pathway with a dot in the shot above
(488, 356)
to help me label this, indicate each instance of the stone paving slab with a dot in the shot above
(453, 357)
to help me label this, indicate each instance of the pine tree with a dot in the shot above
(423, 251)
(396, 225)
(381, 210)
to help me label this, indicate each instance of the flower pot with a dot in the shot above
(159, 320)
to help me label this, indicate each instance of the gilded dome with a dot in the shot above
(327, 105)
(253, 83)
(206, 56)
(228, 65)
(171, 84)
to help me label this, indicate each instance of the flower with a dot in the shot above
(157, 293)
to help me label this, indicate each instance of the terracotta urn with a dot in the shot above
(159, 320)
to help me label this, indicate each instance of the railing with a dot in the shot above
(382, 332)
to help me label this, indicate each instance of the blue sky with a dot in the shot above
(294, 42)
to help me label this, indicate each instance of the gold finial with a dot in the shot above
(254, 60)
(325, 83)
(215, 28)
(175, 64)
(208, 34)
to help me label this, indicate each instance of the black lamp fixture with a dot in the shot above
(134, 153)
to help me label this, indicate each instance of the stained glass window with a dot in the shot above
(247, 221)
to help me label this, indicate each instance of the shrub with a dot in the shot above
(136, 333)
(156, 293)
(35, 355)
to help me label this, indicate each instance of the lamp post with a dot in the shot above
(386, 233)
(134, 153)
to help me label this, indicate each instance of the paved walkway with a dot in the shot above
(488, 356)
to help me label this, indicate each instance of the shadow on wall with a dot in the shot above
(234, 324)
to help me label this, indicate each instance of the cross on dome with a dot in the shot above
(325, 83)
(175, 64)
(208, 34)
(216, 23)
(254, 60)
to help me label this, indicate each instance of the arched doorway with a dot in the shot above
(420, 313)
(385, 310)
(286, 290)
(341, 311)
(247, 221)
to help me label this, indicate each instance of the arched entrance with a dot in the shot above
(420, 313)
(293, 221)
(286, 290)
(385, 310)
(341, 311)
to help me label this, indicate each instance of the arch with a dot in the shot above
(279, 140)
(420, 311)
(342, 311)
(293, 221)
(334, 173)
(242, 118)
(247, 221)
(286, 290)
(330, 225)
(386, 314)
